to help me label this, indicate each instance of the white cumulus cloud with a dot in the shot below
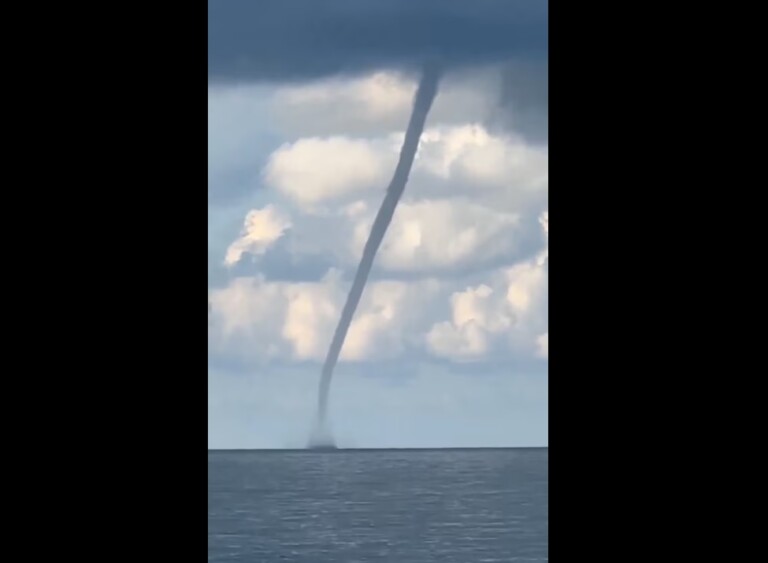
(315, 170)
(380, 103)
(262, 228)
(466, 219)
(500, 171)
(505, 316)
(435, 234)
(543, 345)
(257, 318)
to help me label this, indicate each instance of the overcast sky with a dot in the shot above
(306, 112)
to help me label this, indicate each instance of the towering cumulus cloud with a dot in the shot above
(424, 97)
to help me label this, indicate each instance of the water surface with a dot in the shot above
(400, 506)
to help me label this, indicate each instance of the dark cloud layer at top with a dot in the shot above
(299, 39)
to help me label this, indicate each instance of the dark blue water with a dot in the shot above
(401, 506)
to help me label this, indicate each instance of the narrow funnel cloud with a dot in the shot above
(424, 97)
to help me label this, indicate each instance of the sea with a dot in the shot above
(400, 506)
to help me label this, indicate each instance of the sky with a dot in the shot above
(306, 113)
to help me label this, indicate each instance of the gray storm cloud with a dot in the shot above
(279, 40)
(422, 103)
